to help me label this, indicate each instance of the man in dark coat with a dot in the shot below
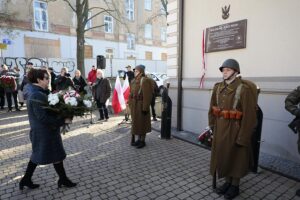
(53, 77)
(101, 93)
(129, 74)
(292, 105)
(232, 117)
(47, 146)
(139, 103)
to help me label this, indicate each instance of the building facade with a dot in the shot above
(131, 29)
(270, 59)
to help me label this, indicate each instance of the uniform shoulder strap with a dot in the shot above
(237, 95)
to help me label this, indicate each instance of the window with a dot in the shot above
(130, 9)
(40, 16)
(164, 56)
(130, 41)
(148, 4)
(88, 23)
(148, 55)
(108, 24)
(148, 31)
(163, 34)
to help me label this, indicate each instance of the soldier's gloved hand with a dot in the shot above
(144, 112)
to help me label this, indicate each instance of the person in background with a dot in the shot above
(11, 92)
(2, 92)
(45, 137)
(129, 74)
(101, 92)
(92, 76)
(79, 82)
(154, 95)
(53, 77)
(63, 81)
(140, 97)
(292, 102)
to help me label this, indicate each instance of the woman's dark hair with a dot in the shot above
(35, 74)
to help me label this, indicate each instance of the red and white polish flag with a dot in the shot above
(126, 89)
(118, 101)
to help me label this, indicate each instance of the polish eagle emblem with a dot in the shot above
(225, 12)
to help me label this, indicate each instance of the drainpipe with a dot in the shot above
(180, 61)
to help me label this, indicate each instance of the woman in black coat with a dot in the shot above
(47, 146)
(79, 82)
(63, 81)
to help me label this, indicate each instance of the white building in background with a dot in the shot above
(48, 30)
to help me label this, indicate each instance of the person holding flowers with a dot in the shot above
(47, 146)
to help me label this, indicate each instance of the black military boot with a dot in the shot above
(232, 192)
(223, 189)
(141, 144)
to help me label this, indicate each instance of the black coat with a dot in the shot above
(47, 146)
(79, 84)
(102, 90)
(63, 82)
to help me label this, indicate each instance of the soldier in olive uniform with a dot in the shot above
(139, 104)
(232, 117)
(292, 105)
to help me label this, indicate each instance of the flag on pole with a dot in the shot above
(118, 102)
(126, 89)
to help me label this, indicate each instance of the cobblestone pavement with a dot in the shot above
(105, 166)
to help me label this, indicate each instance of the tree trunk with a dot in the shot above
(80, 51)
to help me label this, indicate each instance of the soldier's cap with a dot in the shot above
(140, 67)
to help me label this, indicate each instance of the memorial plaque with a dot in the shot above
(226, 36)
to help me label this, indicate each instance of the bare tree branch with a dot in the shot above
(85, 30)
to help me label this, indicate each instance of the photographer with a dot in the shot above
(63, 81)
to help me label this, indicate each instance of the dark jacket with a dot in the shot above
(102, 90)
(63, 83)
(79, 84)
(130, 75)
(47, 146)
(53, 77)
(292, 101)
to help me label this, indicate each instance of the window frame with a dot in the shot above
(148, 5)
(130, 41)
(148, 31)
(106, 29)
(40, 20)
(163, 34)
(88, 24)
(130, 9)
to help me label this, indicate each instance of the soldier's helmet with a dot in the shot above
(232, 64)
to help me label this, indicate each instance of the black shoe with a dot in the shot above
(154, 119)
(9, 110)
(27, 183)
(136, 143)
(298, 193)
(65, 182)
(141, 145)
(100, 119)
(232, 192)
(17, 109)
(223, 189)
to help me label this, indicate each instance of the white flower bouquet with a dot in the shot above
(69, 103)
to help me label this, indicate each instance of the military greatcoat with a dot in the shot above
(231, 149)
(140, 100)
